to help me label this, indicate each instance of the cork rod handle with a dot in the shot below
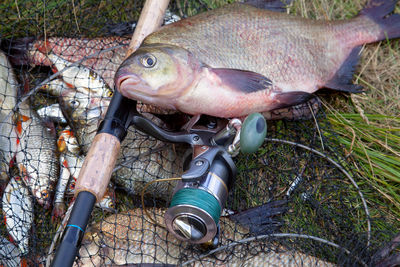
(96, 171)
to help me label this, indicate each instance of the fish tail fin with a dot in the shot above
(341, 81)
(264, 219)
(379, 12)
(17, 49)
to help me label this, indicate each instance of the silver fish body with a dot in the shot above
(8, 100)
(36, 157)
(80, 77)
(18, 211)
(52, 112)
(10, 254)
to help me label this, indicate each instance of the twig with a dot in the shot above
(341, 169)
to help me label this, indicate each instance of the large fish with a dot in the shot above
(8, 100)
(130, 238)
(36, 156)
(17, 207)
(239, 59)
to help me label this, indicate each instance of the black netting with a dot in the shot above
(328, 216)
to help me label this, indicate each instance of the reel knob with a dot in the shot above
(253, 132)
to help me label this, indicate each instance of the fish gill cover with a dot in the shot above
(310, 205)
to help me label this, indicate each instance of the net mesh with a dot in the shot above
(328, 219)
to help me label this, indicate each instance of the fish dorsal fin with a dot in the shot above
(273, 5)
(242, 80)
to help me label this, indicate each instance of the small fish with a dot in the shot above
(79, 76)
(53, 113)
(238, 59)
(18, 211)
(84, 112)
(36, 157)
(130, 238)
(10, 255)
(8, 99)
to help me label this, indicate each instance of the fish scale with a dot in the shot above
(240, 33)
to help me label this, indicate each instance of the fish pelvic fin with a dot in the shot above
(341, 81)
(379, 12)
(288, 99)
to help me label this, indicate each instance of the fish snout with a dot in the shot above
(125, 80)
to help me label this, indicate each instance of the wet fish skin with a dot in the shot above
(17, 207)
(52, 112)
(36, 157)
(8, 99)
(250, 60)
(10, 254)
(130, 238)
(84, 112)
(79, 76)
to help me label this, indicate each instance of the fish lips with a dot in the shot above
(130, 85)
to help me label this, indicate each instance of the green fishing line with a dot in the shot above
(198, 198)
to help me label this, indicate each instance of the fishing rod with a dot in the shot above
(96, 171)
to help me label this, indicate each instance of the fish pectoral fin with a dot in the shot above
(273, 5)
(283, 100)
(242, 80)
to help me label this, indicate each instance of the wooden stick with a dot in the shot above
(97, 168)
(150, 20)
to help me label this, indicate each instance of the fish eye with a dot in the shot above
(148, 61)
(74, 103)
(109, 93)
(44, 194)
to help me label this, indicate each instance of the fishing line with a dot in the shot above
(341, 169)
(142, 197)
(198, 198)
(279, 235)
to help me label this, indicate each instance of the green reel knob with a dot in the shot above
(253, 132)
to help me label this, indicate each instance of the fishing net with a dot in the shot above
(320, 210)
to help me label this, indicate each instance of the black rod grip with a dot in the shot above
(75, 230)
